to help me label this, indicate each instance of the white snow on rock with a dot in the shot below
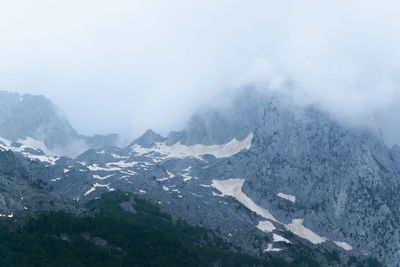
(287, 197)
(95, 185)
(129, 172)
(297, 227)
(96, 167)
(165, 188)
(30, 143)
(182, 151)
(186, 177)
(36, 144)
(95, 176)
(185, 174)
(278, 238)
(116, 156)
(170, 174)
(233, 187)
(271, 249)
(49, 159)
(343, 245)
(265, 226)
(122, 164)
(56, 179)
(8, 216)
(5, 141)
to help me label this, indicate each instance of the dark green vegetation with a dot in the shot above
(124, 230)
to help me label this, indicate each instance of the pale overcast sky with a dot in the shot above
(125, 66)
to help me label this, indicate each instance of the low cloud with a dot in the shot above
(124, 66)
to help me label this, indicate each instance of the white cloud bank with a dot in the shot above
(130, 65)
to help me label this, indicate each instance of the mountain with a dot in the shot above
(128, 230)
(36, 117)
(261, 173)
(23, 195)
(262, 167)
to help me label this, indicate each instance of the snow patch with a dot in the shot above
(299, 229)
(8, 216)
(5, 141)
(182, 151)
(30, 143)
(186, 177)
(271, 249)
(36, 144)
(122, 164)
(116, 156)
(233, 187)
(278, 238)
(265, 226)
(95, 176)
(95, 185)
(96, 167)
(287, 197)
(217, 195)
(170, 174)
(343, 245)
(129, 172)
(185, 174)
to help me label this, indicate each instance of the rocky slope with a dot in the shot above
(23, 116)
(262, 173)
(263, 168)
(22, 195)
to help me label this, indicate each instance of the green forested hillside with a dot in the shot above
(122, 230)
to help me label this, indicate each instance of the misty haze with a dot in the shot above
(199, 133)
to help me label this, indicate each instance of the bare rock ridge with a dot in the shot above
(262, 173)
(33, 116)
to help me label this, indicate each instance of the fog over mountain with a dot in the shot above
(125, 66)
(199, 133)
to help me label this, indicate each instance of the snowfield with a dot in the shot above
(287, 197)
(233, 187)
(196, 151)
(265, 226)
(297, 228)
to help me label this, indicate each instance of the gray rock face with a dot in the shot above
(32, 116)
(345, 181)
(221, 125)
(148, 139)
(22, 195)
(294, 170)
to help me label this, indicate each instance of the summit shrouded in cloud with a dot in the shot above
(133, 65)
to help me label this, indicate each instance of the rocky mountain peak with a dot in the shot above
(35, 116)
(148, 139)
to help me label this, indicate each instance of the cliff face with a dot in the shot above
(23, 116)
(261, 172)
